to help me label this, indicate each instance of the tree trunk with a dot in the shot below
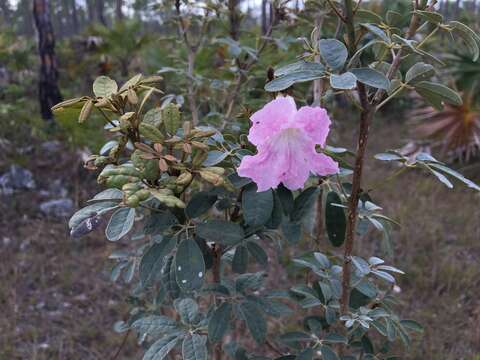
(234, 19)
(118, 10)
(75, 26)
(264, 17)
(90, 11)
(100, 5)
(6, 12)
(48, 91)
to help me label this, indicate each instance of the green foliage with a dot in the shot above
(205, 238)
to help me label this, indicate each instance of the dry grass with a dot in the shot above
(58, 303)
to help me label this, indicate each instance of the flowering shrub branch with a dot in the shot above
(208, 211)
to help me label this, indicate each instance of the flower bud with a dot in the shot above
(184, 178)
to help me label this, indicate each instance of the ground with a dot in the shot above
(58, 301)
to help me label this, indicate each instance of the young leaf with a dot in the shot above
(285, 81)
(120, 223)
(333, 52)
(431, 16)
(419, 72)
(189, 265)
(436, 94)
(371, 78)
(103, 86)
(345, 81)
(375, 30)
(299, 66)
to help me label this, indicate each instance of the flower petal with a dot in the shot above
(262, 169)
(269, 120)
(314, 121)
(324, 165)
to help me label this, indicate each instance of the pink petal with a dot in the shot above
(287, 157)
(324, 165)
(314, 121)
(269, 120)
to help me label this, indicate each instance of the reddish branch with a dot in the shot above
(366, 116)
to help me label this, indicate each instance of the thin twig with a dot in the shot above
(337, 12)
(122, 345)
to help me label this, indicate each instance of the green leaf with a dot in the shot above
(412, 325)
(194, 347)
(215, 157)
(189, 265)
(436, 94)
(221, 232)
(257, 252)
(169, 278)
(375, 30)
(303, 203)
(301, 65)
(200, 203)
(431, 16)
(240, 260)
(345, 81)
(120, 223)
(306, 354)
(442, 178)
(335, 220)
(370, 16)
(108, 195)
(461, 26)
(155, 325)
(219, 322)
(154, 259)
(91, 210)
(333, 52)
(257, 206)
(388, 157)
(277, 213)
(470, 37)
(251, 281)
(455, 174)
(394, 18)
(131, 82)
(254, 319)
(292, 231)
(286, 199)
(161, 348)
(285, 81)
(328, 353)
(158, 222)
(187, 309)
(103, 86)
(419, 72)
(371, 77)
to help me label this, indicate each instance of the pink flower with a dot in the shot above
(285, 139)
